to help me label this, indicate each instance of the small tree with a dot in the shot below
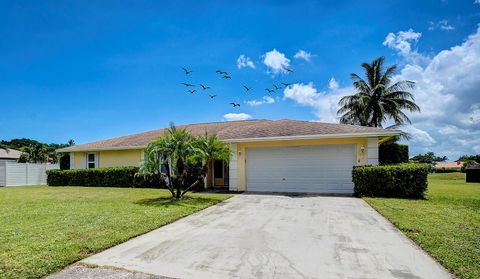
(36, 154)
(170, 159)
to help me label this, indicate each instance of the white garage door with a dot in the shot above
(310, 169)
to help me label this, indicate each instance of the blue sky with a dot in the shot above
(90, 70)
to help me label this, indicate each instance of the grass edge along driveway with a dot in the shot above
(446, 224)
(46, 228)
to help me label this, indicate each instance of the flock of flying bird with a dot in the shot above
(225, 75)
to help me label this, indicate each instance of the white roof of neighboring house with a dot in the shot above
(12, 154)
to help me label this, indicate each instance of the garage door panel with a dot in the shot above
(317, 169)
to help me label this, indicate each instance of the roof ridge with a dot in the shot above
(181, 125)
(225, 121)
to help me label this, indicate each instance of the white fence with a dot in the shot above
(18, 174)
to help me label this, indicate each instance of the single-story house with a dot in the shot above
(10, 155)
(267, 155)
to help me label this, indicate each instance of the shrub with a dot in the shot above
(101, 177)
(468, 163)
(392, 153)
(446, 170)
(395, 181)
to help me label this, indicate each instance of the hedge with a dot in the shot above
(101, 177)
(392, 153)
(446, 170)
(393, 181)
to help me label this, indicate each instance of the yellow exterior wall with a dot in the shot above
(110, 158)
(78, 160)
(120, 158)
(241, 149)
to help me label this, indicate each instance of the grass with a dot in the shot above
(44, 229)
(446, 224)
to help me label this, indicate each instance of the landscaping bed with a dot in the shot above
(446, 224)
(47, 228)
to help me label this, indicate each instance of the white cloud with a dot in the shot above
(276, 61)
(477, 2)
(264, 100)
(402, 42)
(447, 91)
(236, 116)
(302, 54)
(442, 25)
(243, 62)
(324, 103)
(419, 136)
(333, 84)
(449, 130)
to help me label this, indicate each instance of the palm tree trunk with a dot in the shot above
(203, 174)
(169, 177)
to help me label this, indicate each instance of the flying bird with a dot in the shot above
(276, 87)
(235, 104)
(269, 90)
(221, 72)
(226, 77)
(191, 91)
(204, 87)
(212, 96)
(286, 84)
(289, 70)
(246, 88)
(187, 84)
(186, 71)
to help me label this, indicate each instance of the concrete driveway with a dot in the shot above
(266, 236)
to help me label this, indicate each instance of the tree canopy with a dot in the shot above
(34, 151)
(172, 158)
(429, 158)
(378, 97)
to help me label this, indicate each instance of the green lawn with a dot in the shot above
(44, 229)
(446, 224)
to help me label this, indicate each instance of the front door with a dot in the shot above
(220, 173)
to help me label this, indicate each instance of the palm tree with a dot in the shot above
(35, 154)
(171, 158)
(378, 97)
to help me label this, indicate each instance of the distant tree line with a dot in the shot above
(36, 152)
(429, 158)
(469, 160)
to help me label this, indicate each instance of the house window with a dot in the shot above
(91, 161)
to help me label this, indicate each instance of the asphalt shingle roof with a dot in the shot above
(233, 130)
(12, 154)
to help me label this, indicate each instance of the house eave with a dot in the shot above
(322, 136)
(80, 149)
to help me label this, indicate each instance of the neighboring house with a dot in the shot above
(448, 165)
(11, 155)
(268, 155)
